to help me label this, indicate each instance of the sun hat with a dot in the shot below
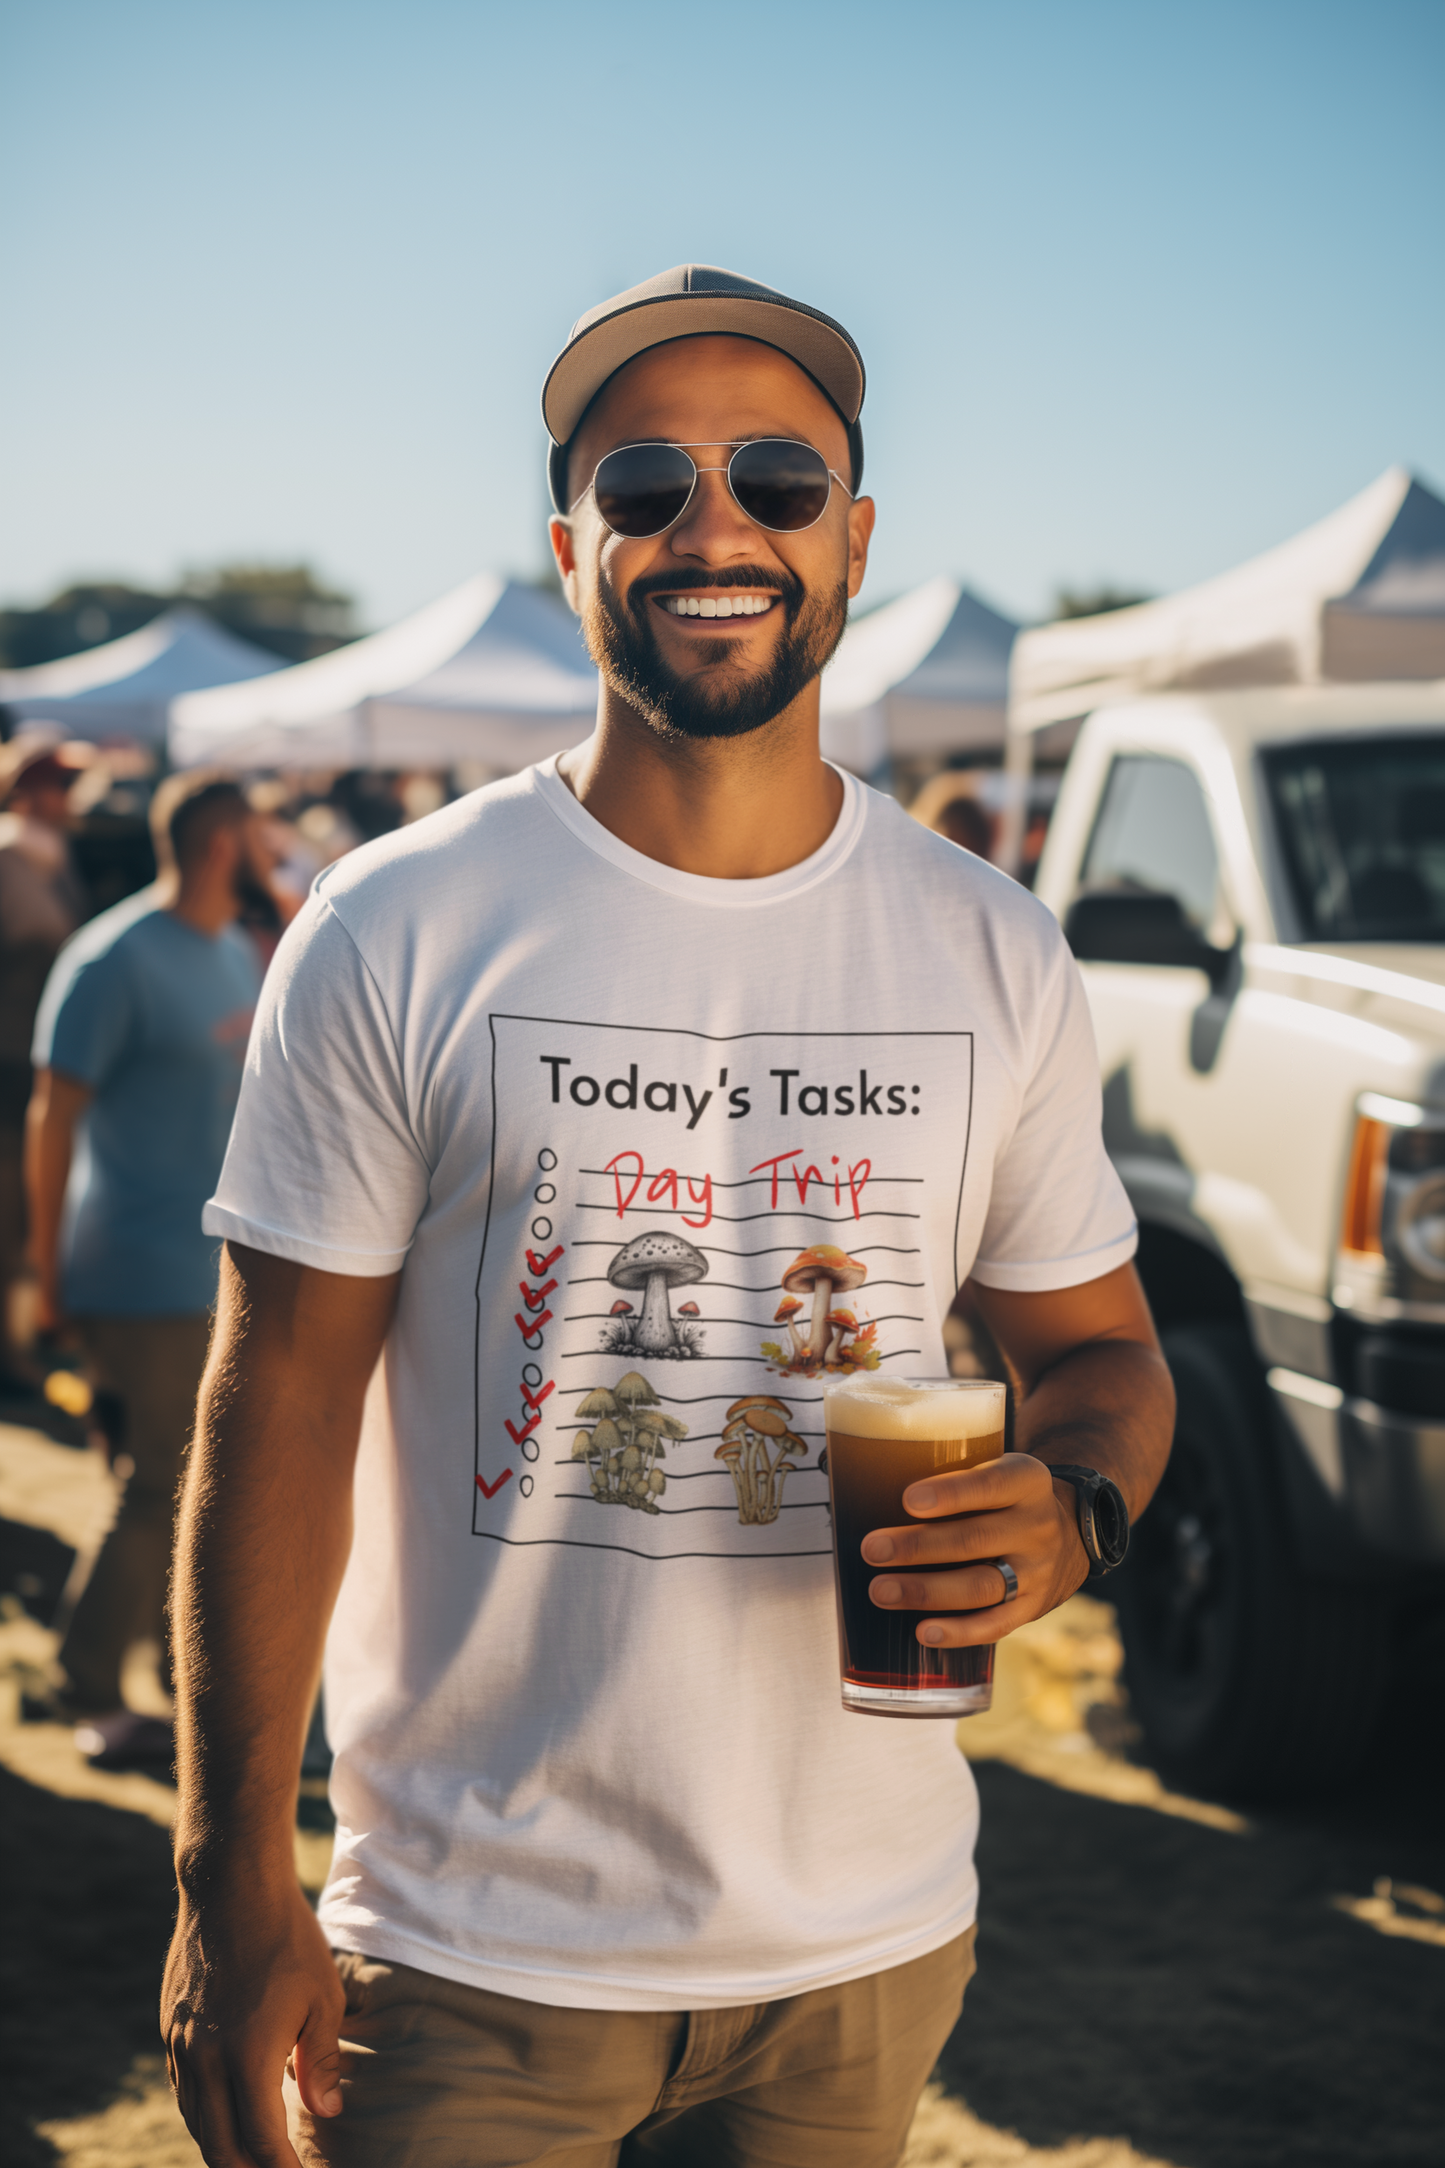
(690, 299)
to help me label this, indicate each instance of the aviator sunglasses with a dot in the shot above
(640, 489)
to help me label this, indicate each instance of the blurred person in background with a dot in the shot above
(951, 806)
(140, 1038)
(42, 901)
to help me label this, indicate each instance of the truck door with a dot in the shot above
(1153, 836)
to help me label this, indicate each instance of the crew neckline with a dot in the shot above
(704, 888)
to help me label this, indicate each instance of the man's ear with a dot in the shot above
(861, 515)
(559, 533)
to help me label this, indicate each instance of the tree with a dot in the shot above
(1094, 601)
(282, 608)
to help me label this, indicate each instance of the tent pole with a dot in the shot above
(1018, 767)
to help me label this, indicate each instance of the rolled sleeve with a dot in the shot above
(1058, 1214)
(323, 1166)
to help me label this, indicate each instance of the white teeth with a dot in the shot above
(723, 606)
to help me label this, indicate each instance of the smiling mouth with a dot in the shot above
(716, 605)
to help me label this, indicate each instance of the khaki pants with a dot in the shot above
(436, 2075)
(152, 1366)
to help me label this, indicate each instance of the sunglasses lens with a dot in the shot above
(642, 488)
(781, 485)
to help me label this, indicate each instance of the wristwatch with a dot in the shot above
(1103, 1516)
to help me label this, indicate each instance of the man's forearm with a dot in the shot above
(1092, 1384)
(259, 1558)
(49, 1146)
(264, 1534)
(1109, 1405)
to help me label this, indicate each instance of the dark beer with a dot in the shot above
(883, 1435)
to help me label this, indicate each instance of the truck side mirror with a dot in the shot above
(1139, 926)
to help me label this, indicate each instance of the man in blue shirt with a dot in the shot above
(139, 1046)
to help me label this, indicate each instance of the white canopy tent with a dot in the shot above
(495, 673)
(125, 688)
(927, 674)
(1359, 596)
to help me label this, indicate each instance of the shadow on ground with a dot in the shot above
(87, 1902)
(1196, 1991)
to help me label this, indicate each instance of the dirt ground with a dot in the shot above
(1162, 1983)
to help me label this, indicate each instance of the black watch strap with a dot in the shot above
(1103, 1516)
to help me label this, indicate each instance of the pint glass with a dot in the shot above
(883, 1435)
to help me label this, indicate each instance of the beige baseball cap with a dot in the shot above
(690, 299)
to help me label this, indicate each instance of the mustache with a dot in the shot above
(752, 576)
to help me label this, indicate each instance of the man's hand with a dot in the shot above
(248, 1984)
(941, 1564)
(1094, 1390)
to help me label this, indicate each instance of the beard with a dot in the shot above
(717, 699)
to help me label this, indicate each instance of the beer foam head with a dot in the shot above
(874, 1407)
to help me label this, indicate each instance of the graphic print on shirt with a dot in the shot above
(677, 1224)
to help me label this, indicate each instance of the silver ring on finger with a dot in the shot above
(1010, 1578)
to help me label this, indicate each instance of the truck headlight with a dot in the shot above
(1395, 1193)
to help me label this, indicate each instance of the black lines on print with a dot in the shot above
(715, 1038)
(653, 1558)
(693, 1475)
(696, 1400)
(730, 1505)
(688, 1214)
(734, 1287)
(747, 1324)
(772, 1249)
(764, 1181)
(591, 1355)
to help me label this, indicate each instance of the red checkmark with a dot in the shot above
(537, 1265)
(526, 1430)
(489, 1490)
(534, 1297)
(534, 1400)
(528, 1325)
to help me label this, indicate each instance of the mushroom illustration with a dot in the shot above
(626, 1442)
(688, 1309)
(822, 1271)
(658, 1262)
(791, 1450)
(606, 1440)
(620, 1309)
(786, 1314)
(752, 1425)
(633, 1391)
(731, 1452)
(842, 1322)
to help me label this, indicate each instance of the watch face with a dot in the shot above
(1111, 1525)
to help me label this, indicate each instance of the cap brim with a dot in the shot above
(813, 341)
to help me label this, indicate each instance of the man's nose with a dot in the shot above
(714, 529)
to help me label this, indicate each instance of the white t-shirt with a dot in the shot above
(582, 1683)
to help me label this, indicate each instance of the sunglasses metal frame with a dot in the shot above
(732, 444)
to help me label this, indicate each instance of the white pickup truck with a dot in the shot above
(1254, 886)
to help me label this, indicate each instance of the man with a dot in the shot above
(545, 1096)
(42, 901)
(141, 1037)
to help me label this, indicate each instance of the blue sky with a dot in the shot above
(1142, 289)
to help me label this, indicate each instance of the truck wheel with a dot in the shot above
(1247, 1677)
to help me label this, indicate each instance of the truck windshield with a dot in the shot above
(1362, 822)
